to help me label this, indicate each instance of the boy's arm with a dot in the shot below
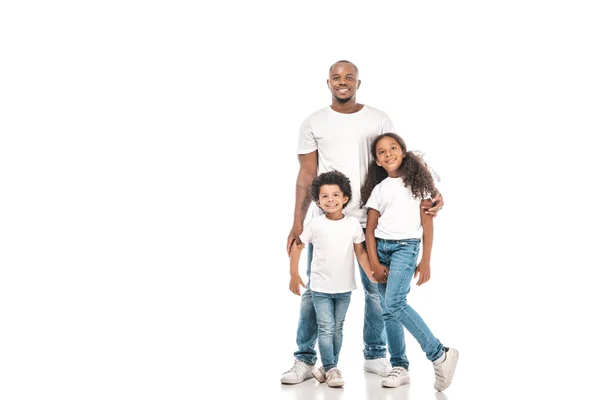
(424, 267)
(295, 279)
(363, 260)
(380, 272)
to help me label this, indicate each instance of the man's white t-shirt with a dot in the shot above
(332, 268)
(400, 214)
(343, 142)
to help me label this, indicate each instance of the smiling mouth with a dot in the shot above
(343, 90)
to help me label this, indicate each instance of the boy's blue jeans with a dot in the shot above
(330, 309)
(401, 257)
(373, 326)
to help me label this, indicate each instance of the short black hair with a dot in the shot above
(331, 178)
(343, 62)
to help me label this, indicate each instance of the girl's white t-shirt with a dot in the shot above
(400, 214)
(332, 267)
(343, 142)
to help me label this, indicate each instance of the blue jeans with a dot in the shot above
(373, 326)
(331, 311)
(401, 257)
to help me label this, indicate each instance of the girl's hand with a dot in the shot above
(424, 272)
(380, 272)
(295, 282)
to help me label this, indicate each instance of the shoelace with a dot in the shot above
(297, 367)
(335, 374)
(396, 371)
(438, 371)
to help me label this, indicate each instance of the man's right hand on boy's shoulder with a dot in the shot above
(295, 282)
(294, 237)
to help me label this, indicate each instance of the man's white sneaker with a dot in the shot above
(398, 376)
(319, 374)
(444, 369)
(379, 366)
(334, 378)
(300, 372)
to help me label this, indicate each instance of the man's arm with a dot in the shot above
(295, 279)
(306, 174)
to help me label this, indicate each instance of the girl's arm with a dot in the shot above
(424, 267)
(380, 272)
(363, 260)
(295, 279)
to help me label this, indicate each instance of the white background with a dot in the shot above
(147, 170)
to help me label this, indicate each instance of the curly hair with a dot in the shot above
(331, 178)
(414, 171)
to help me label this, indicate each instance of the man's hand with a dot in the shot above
(295, 282)
(294, 237)
(424, 272)
(435, 206)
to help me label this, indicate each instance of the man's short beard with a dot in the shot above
(343, 101)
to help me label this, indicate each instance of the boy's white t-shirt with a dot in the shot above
(332, 268)
(343, 142)
(400, 214)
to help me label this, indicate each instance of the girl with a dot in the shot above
(396, 193)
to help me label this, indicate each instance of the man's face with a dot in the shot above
(343, 82)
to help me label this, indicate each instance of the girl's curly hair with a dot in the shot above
(414, 171)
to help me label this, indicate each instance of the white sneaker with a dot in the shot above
(334, 378)
(300, 372)
(444, 369)
(319, 374)
(398, 376)
(379, 366)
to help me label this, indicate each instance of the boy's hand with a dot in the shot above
(424, 272)
(295, 282)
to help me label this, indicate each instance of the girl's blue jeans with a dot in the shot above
(401, 258)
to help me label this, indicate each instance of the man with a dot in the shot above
(338, 137)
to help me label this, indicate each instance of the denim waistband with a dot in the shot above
(411, 240)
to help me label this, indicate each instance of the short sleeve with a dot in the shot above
(306, 138)
(307, 233)
(359, 235)
(374, 201)
(386, 125)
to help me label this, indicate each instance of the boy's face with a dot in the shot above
(331, 199)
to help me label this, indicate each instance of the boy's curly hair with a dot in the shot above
(414, 171)
(331, 178)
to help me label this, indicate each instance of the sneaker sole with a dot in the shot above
(335, 384)
(295, 382)
(405, 381)
(451, 374)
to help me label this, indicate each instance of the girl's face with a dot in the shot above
(331, 199)
(389, 155)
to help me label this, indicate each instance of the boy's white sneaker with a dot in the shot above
(444, 369)
(398, 376)
(319, 374)
(300, 372)
(379, 366)
(334, 378)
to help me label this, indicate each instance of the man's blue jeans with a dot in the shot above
(373, 327)
(331, 310)
(401, 257)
